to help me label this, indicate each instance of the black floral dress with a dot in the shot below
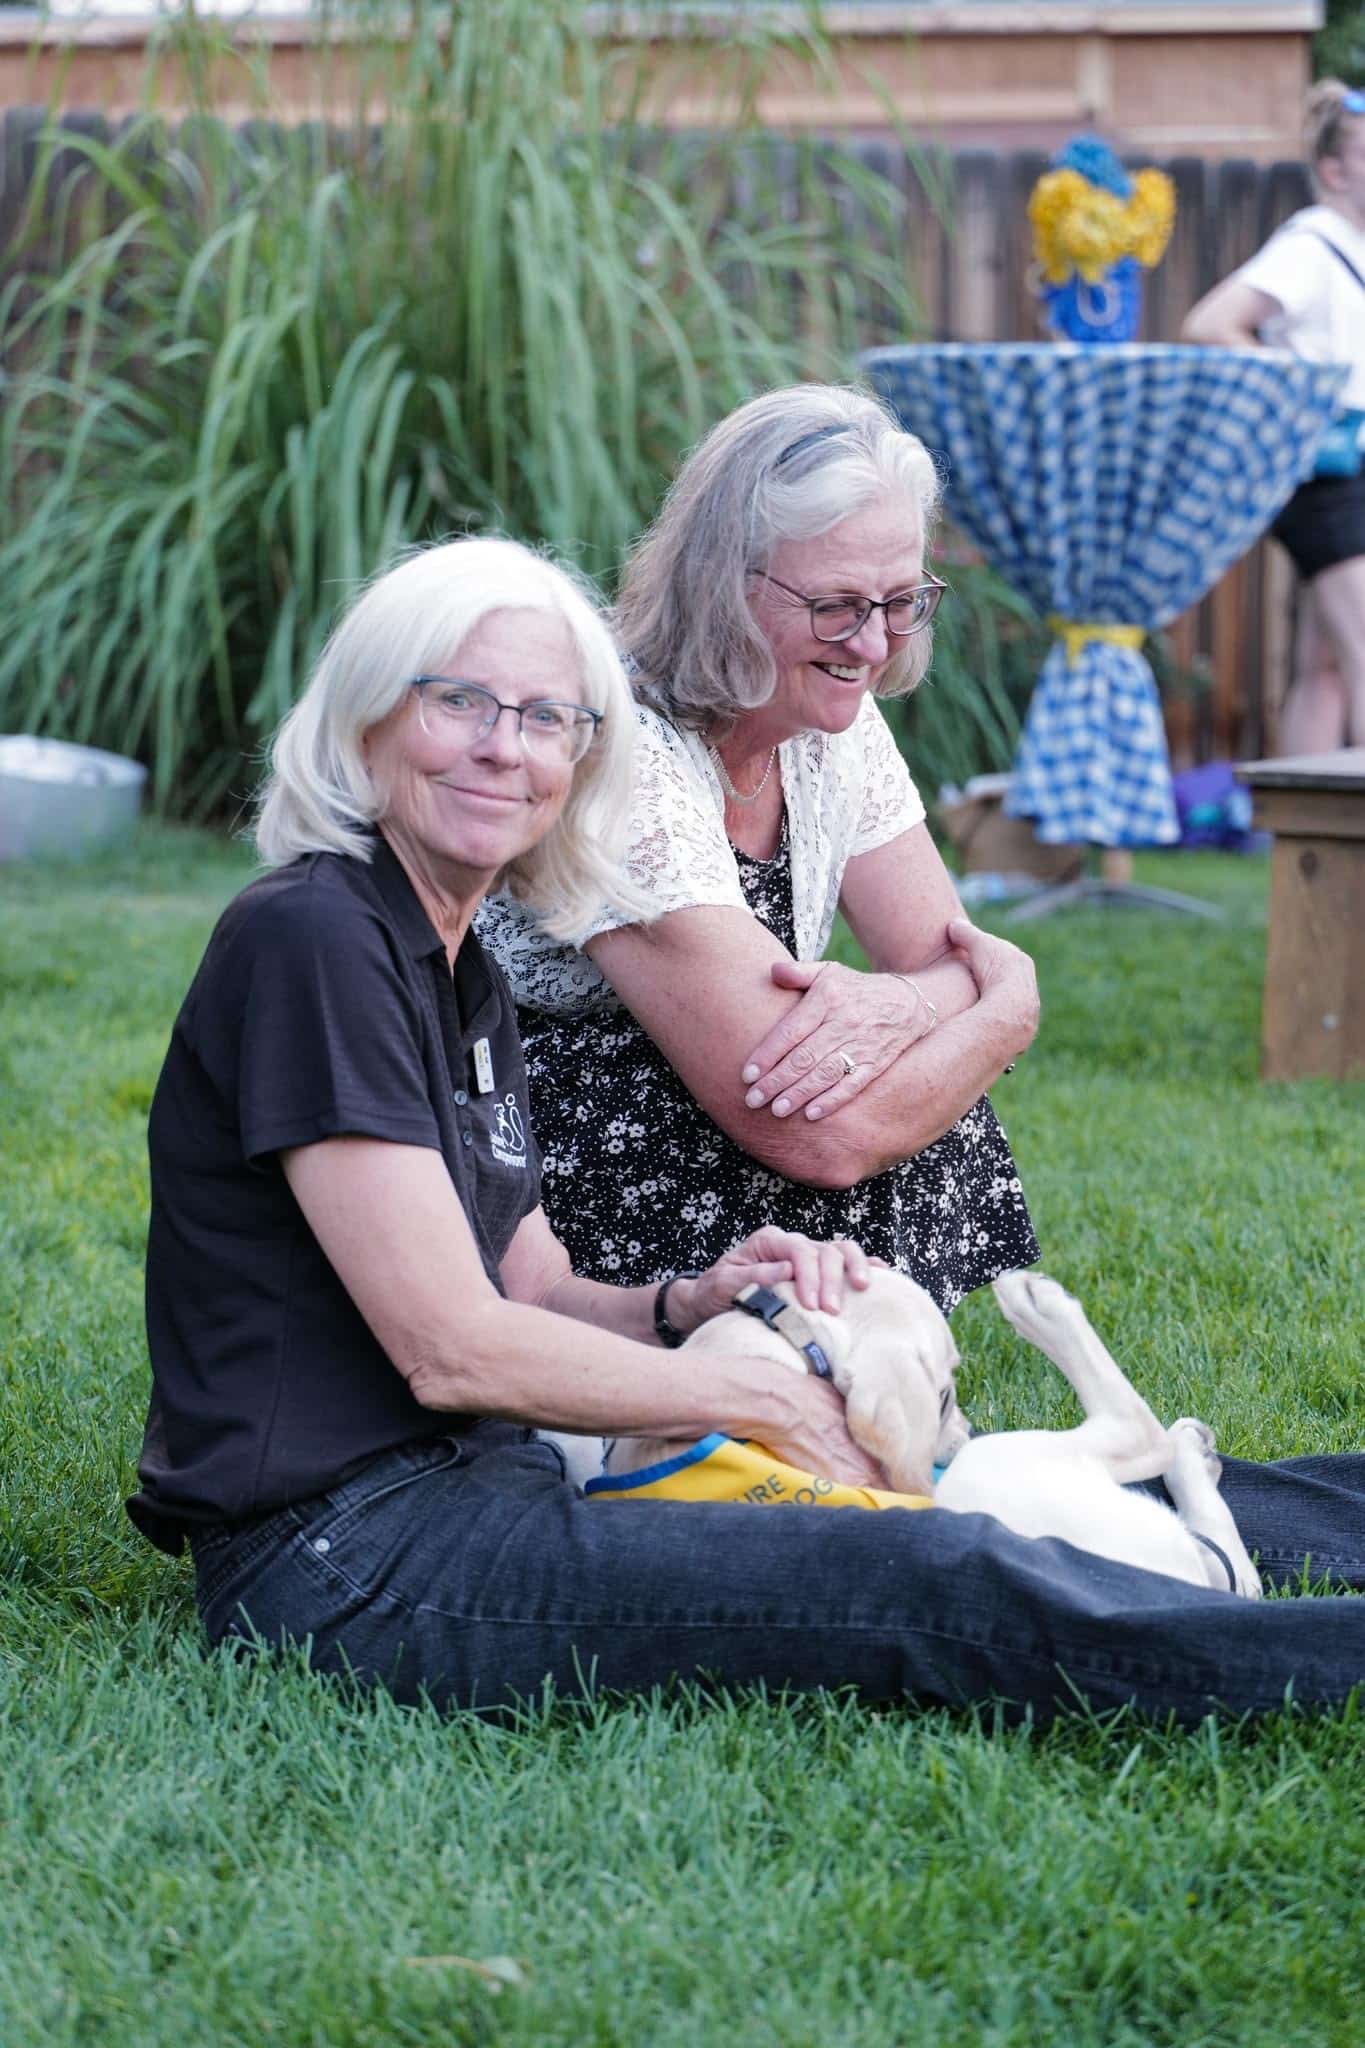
(638, 1181)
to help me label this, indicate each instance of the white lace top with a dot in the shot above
(846, 793)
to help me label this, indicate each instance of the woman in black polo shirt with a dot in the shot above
(357, 1311)
(353, 1296)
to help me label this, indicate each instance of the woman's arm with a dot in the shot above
(899, 901)
(389, 1220)
(1230, 316)
(536, 1269)
(714, 990)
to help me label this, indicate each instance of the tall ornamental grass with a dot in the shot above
(242, 367)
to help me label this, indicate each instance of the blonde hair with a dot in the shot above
(318, 795)
(786, 466)
(1325, 118)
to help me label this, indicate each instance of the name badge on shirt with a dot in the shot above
(483, 1067)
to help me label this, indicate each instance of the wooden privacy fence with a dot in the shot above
(964, 241)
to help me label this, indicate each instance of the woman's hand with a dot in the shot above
(818, 1439)
(813, 1435)
(846, 1030)
(1004, 974)
(820, 1273)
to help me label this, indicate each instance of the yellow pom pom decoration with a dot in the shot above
(1052, 198)
(1151, 216)
(1080, 227)
(1093, 233)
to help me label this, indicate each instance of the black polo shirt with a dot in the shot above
(324, 1005)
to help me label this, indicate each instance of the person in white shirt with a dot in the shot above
(1305, 291)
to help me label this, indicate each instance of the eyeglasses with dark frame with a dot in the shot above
(839, 618)
(452, 709)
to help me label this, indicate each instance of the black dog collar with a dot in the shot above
(1219, 1553)
(788, 1322)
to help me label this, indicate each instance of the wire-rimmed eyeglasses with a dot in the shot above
(451, 709)
(839, 618)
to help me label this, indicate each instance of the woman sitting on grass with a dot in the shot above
(358, 1314)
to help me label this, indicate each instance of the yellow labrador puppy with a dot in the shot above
(892, 1357)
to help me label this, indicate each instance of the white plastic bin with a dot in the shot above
(56, 798)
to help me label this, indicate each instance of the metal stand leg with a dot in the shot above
(1094, 891)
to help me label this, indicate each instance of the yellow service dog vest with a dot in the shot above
(723, 1468)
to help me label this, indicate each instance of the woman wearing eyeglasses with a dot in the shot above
(356, 1309)
(694, 1075)
(1305, 291)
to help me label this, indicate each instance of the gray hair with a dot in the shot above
(319, 796)
(787, 466)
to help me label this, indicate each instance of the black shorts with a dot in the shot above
(1323, 523)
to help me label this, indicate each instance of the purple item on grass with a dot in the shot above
(1215, 810)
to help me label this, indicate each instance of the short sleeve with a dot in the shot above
(677, 854)
(1292, 270)
(329, 1033)
(890, 802)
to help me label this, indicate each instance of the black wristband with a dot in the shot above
(663, 1329)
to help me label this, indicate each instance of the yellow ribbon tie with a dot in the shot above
(1077, 634)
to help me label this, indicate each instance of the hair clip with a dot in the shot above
(809, 440)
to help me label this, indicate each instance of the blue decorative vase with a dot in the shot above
(1108, 311)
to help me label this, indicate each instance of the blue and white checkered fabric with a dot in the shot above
(1092, 762)
(1112, 484)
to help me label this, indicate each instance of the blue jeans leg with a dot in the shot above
(1301, 1511)
(470, 1571)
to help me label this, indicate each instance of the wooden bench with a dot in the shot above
(1313, 1016)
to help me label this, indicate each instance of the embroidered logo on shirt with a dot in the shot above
(509, 1139)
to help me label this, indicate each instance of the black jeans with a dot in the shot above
(469, 1570)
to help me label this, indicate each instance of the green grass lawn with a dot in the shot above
(202, 1853)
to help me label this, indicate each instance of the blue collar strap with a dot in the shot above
(787, 1322)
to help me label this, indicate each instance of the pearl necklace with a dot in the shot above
(737, 795)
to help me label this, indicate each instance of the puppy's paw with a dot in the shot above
(1248, 1579)
(1031, 1301)
(1194, 1439)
